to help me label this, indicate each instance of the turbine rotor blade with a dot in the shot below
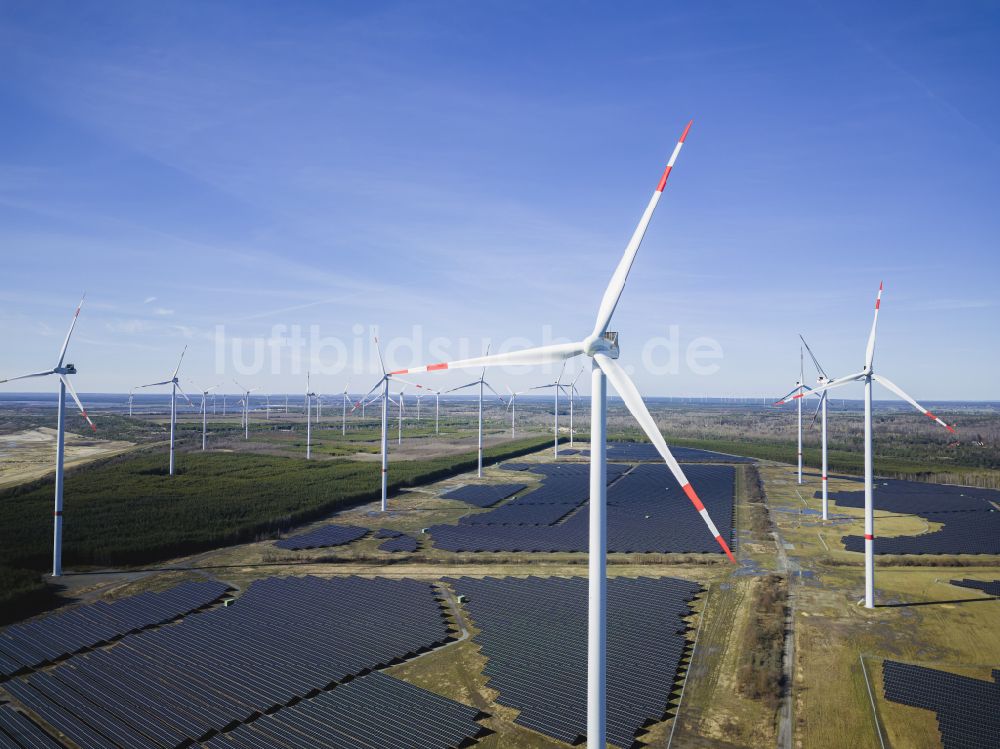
(24, 377)
(870, 349)
(630, 394)
(69, 333)
(181, 391)
(526, 357)
(899, 391)
(154, 384)
(79, 405)
(178, 367)
(499, 397)
(819, 406)
(614, 290)
(819, 389)
(364, 399)
(462, 387)
(378, 349)
(812, 356)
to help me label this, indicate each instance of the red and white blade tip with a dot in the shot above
(700, 507)
(670, 164)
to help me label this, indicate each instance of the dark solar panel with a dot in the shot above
(387, 533)
(283, 639)
(647, 512)
(644, 451)
(990, 588)
(400, 543)
(371, 711)
(918, 498)
(483, 495)
(43, 640)
(328, 535)
(534, 634)
(968, 710)
(963, 533)
(18, 731)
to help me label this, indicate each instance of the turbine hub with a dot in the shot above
(606, 343)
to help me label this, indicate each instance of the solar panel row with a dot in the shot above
(647, 512)
(918, 498)
(990, 588)
(283, 639)
(372, 711)
(401, 542)
(968, 710)
(534, 633)
(31, 644)
(484, 495)
(963, 533)
(642, 451)
(328, 535)
(387, 533)
(18, 731)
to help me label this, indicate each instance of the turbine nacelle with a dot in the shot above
(606, 343)
(65, 369)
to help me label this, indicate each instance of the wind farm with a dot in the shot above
(591, 471)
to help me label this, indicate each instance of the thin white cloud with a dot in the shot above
(149, 299)
(163, 312)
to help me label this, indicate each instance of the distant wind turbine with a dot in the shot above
(867, 376)
(557, 385)
(61, 369)
(798, 391)
(174, 388)
(204, 415)
(309, 396)
(821, 379)
(481, 382)
(246, 408)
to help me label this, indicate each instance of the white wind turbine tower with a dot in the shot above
(175, 386)
(61, 369)
(557, 385)
(204, 415)
(246, 408)
(437, 404)
(130, 394)
(343, 425)
(601, 345)
(867, 376)
(383, 383)
(821, 379)
(481, 382)
(798, 391)
(573, 392)
(511, 408)
(309, 396)
(399, 403)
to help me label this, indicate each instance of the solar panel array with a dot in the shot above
(18, 731)
(963, 533)
(31, 644)
(534, 634)
(917, 498)
(282, 640)
(644, 451)
(968, 710)
(990, 588)
(647, 512)
(328, 535)
(402, 542)
(387, 533)
(372, 711)
(484, 495)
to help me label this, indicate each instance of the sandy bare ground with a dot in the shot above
(31, 454)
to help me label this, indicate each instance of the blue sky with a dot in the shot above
(475, 169)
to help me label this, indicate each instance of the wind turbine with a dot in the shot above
(555, 422)
(204, 415)
(511, 408)
(801, 389)
(821, 379)
(61, 369)
(309, 396)
(383, 383)
(867, 376)
(246, 408)
(130, 394)
(481, 382)
(343, 426)
(175, 386)
(573, 392)
(601, 345)
(400, 403)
